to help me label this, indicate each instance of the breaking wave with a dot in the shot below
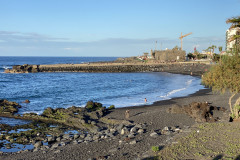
(168, 95)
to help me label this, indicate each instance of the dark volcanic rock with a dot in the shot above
(7, 107)
(201, 112)
(26, 101)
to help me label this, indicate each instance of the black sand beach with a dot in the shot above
(154, 117)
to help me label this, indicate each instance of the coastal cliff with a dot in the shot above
(181, 68)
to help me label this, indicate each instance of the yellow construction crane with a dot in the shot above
(182, 36)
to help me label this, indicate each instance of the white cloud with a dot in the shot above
(19, 43)
(26, 37)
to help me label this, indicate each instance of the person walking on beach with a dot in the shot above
(145, 100)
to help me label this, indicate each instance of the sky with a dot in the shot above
(111, 28)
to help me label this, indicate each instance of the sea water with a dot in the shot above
(75, 89)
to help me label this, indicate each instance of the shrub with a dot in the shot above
(155, 148)
(111, 107)
(225, 76)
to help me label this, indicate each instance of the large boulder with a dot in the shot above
(24, 69)
(7, 107)
(93, 106)
(201, 112)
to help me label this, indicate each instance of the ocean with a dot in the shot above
(75, 89)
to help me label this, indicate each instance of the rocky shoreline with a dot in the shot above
(119, 138)
(193, 68)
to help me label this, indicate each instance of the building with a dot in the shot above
(169, 55)
(229, 35)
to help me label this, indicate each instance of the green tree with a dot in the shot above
(226, 76)
(191, 56)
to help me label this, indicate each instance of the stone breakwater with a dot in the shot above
(181, 68)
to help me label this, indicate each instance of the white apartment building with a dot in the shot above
(229, 33)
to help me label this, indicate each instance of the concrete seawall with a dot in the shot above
(181, 68)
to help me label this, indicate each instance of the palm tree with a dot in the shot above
(235, 21)
(213, 47)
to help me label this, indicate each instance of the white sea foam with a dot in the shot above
(189, 82)
(167, 96)
(37, 112)
(5, 67)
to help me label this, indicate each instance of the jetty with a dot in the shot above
(189, 68)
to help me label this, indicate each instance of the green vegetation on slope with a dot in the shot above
(207, 141)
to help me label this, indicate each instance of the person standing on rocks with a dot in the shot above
(127, 114)
(145, 100)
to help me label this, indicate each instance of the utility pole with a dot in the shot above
(156, 46)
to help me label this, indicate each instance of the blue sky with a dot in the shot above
(110, 27)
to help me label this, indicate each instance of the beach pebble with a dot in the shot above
(50, 139)
(58, 139)
(154, 134)
(134, 129)
(38, 144)
(93, 123)
(55, 145)
(66, 136)
(178, 130)
(138, 126)
(82, 135)
(95, 137)
(63, 144)
(166, 128)
(141, 131)
(131, 135)
(133, 142)
(57, 151)
(113, 130)
(82, 121)
(164, 132)
(75, 136)
(36, 149)
(75, 142)
(122, 132)
(88, 138)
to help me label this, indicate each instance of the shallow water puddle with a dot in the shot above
(14, 147)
